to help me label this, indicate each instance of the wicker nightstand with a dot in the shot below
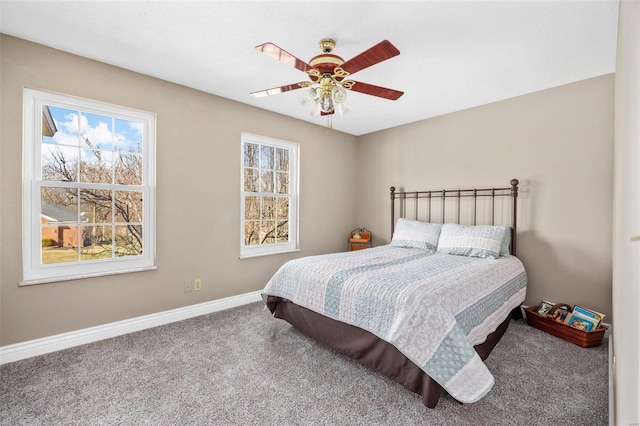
(359, 239)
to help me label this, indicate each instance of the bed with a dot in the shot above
(426, 309)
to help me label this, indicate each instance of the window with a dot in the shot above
(88, 188)
(269, 185)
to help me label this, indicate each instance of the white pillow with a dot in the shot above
(506, 242)
(416, 234)
(477, 241)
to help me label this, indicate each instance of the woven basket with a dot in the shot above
(586, 339)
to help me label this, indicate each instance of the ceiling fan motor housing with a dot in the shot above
(326, 62)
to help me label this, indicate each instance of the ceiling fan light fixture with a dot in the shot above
(342, 108)
(338, 94)
(308, 96)
(313, 102)
(326, 102)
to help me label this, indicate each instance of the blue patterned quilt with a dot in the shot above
(432, 307)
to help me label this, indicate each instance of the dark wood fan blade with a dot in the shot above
(378, 53)
(381, 92)
(283, 56)
(276, 90)
(322, 113)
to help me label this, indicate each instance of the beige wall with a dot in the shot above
(558, 143)
(626, 254)
(198, 172)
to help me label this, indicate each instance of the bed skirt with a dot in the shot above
(370, 350)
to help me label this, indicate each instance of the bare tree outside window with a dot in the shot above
(266, 173)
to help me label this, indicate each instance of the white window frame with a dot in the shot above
(294, 178)
(34, 272)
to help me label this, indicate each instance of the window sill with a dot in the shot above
(82, 276)
(249, 256)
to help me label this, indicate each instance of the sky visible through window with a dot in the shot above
(107, 133)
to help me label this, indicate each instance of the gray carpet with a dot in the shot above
(243, 367)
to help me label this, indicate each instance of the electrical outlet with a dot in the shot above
(188, 287)
(197, 284)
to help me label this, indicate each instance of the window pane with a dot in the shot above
(251, 155)
(283, 232)
(282, 160)
(50, 237)
(96, 166)
(251, 233)
(59, 163)
(266, 157)
(250, 180)
(128, 136)
(96, 242)
(266, 181)
(268, 208)
(282, 183)
(59, 126)
(59, 243)
(267, 232)
(58, 205)
(128, 206)
(283, 208)
(128, 169)
(95, 206)
(252, 208)
(128, 240)
(96, 131)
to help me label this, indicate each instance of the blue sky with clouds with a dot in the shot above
(106, 133)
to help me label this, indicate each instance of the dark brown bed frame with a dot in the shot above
(374, 352)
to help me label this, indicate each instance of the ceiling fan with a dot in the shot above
(327, 90)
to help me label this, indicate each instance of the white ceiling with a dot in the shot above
(453, 55)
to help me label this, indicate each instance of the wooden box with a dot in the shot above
(586, 339)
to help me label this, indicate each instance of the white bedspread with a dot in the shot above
(432, 307)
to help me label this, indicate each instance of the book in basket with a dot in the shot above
(588, 314)
(545, 307)
(580, 323)
(560, 315)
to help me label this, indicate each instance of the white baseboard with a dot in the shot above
(70, 339)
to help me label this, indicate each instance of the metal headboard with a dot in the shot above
(457, 195)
